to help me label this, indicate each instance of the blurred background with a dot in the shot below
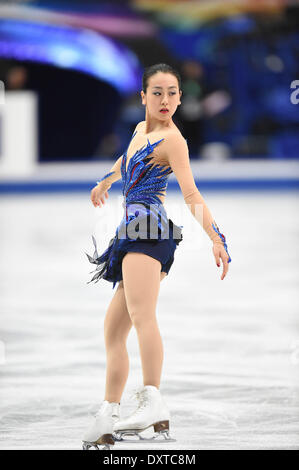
(70, 82)
(74, 69)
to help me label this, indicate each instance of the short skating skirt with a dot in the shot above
(156, 236)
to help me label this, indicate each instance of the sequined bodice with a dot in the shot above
(144, 218)
(143, 179)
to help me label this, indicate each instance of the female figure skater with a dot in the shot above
(139, 263)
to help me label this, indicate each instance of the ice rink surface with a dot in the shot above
(231, 348)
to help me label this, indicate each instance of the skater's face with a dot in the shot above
(162, 92)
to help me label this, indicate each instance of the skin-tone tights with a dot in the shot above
(134, 304)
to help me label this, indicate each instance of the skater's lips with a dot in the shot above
(164, 109)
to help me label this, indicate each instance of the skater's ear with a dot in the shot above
(143, 97)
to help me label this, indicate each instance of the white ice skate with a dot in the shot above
(151, 411)
(100, 431)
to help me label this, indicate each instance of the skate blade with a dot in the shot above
(137, 438)
(106, 444)
(94, 446)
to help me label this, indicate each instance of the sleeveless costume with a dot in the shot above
(145, 227)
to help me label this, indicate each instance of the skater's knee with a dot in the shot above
(116, 333)
(142, 316)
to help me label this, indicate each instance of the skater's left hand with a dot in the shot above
(220, 252)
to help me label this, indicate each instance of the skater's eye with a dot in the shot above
(172, 93)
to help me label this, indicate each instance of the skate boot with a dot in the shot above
(151, 411)
(100, 431)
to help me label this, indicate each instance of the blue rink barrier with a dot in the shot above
(17, 187)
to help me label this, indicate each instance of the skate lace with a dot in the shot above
(142, 398)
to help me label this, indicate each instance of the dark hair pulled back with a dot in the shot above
(152, 69)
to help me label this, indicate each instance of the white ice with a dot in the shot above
(231, 347)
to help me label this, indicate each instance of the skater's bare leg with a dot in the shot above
(141, 278)
(117, 325)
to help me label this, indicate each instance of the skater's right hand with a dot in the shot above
(98, 194)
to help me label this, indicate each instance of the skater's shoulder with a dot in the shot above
(140, 125)
(178, 158)
(174, 136)
(175, 146)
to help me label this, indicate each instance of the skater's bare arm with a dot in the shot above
(178, 159)
(177, 153)
(113, 175)
(100, 191)
(115, 172)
